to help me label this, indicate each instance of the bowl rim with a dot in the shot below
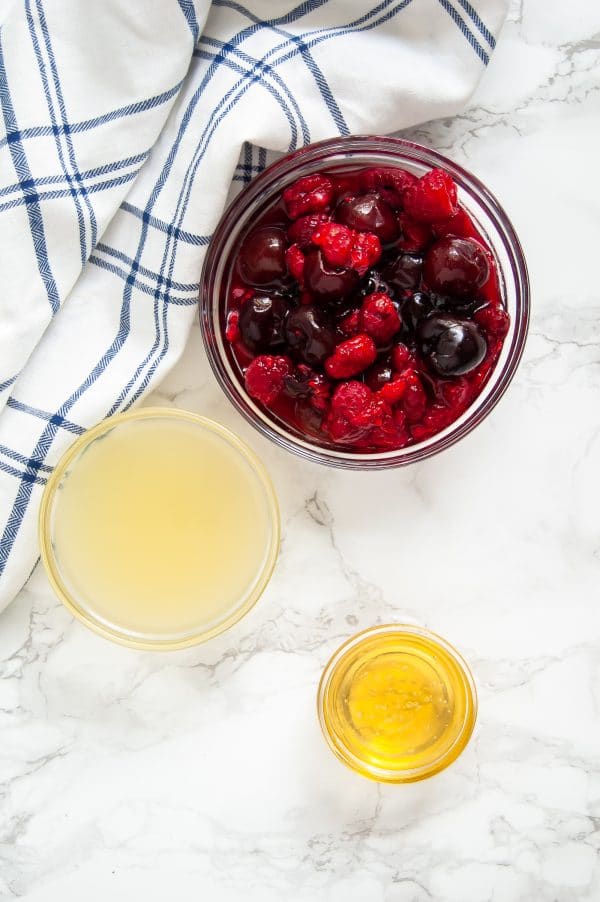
(49, 559)
(404, 151)
(398, 776)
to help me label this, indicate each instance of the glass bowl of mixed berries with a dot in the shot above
(364, 302)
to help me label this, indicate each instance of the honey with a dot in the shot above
(397, 703)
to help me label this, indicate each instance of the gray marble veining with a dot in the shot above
(202, 774)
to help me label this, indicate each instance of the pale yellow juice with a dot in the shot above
(161, 528)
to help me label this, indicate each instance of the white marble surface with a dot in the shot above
(202, 774)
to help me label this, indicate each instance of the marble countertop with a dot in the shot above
(203, 775)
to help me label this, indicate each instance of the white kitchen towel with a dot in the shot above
(123, 124)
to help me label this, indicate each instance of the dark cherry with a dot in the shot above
(451, 346)
(404, 273)
(327, 283)
(415, 308)
(458, 306)
(309, 336)
(310, 419)
(262, 322)
(374, 282)
(378, 375)
(456, 266)
(369, 213)
(261, 260)
(297, 385)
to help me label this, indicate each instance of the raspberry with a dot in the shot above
(351, 357)
(265, 377)
(455, 394)
(432, 197)
(393, 433)
(232, 331)
(240, 295)
(415, 235)
(480, 376)
(389, 183)
(365, 253)
(295, 263)
(310, 194)
(358, 344)
(414, 402)
(401, 357)
(345, 185)
(354, 411)
(343, 247)
(493, 318)
(304, 382)
(393, 391)
(300, 232)
(335, 241)
(350, 324)
(420, 432)
(436, 418)
(460, 225)
(379, 317)
(320, 392)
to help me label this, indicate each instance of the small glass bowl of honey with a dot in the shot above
(397, 703)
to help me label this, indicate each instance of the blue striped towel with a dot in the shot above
(123, 125)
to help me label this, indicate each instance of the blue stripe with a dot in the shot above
(8, 382)
(167, 227)
(364, 23)
(474, 16)
(63, 114)
(292, 16)
(49, 432)
(462, 25)
(165, 296)
(248, 160)
(143, 270)
(23, 459)
(170, 231)
(189, 177)
(87, 174)
(57, 141)
(34, 213)
(30, 198)
(205, 55)
(47, 437)
(140, 106)
(68, 425)
(246, 58)
(189, 11)
(28, 476)
(242, 171)
(311, 65)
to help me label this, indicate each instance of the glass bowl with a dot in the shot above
(397, 703)
(353, 152)
(138, 529)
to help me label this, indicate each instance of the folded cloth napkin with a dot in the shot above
(122, 126)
